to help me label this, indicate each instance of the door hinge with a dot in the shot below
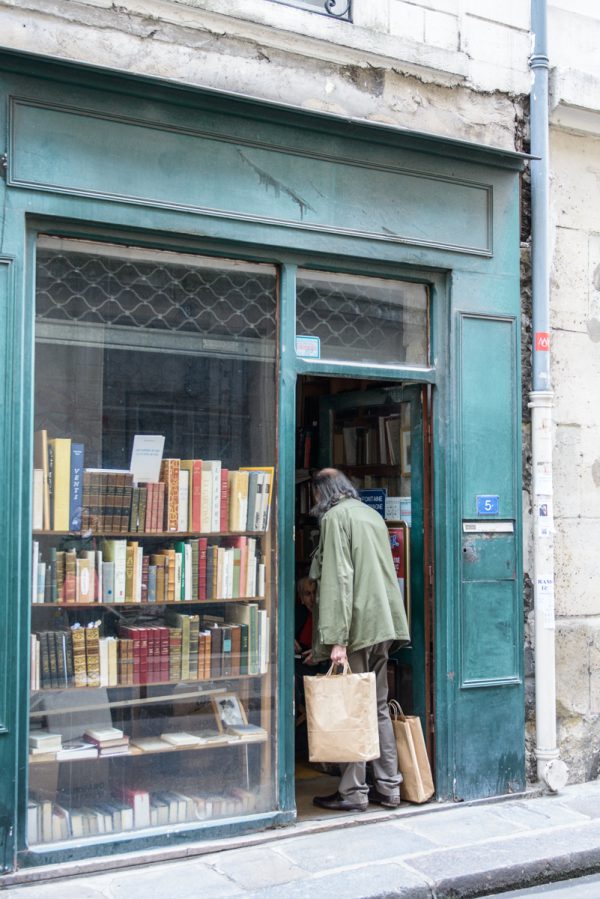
(4, 164)
(431, 724)
(430, 575)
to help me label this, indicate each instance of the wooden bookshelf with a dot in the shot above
(135, 752)
(143, 605)
(146, 535)
(146, 700)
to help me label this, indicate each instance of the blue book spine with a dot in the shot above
(76, 502)
(152, 583)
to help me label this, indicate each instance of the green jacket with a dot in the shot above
(358, 598)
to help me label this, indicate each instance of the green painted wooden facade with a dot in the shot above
(91, 154)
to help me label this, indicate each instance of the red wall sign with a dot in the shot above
(542, 341)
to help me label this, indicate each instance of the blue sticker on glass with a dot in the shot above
(488, 505)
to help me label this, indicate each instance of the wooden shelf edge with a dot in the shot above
(162, 535)
(153, 605)
(135, 752)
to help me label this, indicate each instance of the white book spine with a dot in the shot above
(188, 572)
(34, 570)
(139, 570)
(99, 589)
(38, 499)
(261, 579)
(103, 661)
(120, 563)
(41, 581)
(108, 581)
(178, 572)
(184, 492)
(216, 495)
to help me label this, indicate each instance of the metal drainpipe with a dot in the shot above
(550, 769)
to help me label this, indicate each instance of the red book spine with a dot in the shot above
(164, 653)
(224, 512)
(202, 544)
(160, 508)
(196, 494)
(142, 637)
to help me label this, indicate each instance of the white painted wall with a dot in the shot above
(574, 39)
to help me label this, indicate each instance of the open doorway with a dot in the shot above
(378, 433)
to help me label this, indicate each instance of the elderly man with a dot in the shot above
(359, 615)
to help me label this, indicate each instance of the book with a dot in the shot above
(194, 467)
(214, 467)
(45, 740)
(76, 486)
(183, 500)
(115, 551)
(40, 462)
(61, 481)
(101, 734)
(146, 457)
(38, 499)
(169, 474)
(180, 738)
(238, 500)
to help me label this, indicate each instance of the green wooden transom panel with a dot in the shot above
(82, 152)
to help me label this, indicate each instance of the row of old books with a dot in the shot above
(190, 647)
(191, 570)
(190, 496)
(128, 809)
(380, 443)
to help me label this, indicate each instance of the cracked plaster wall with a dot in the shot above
(434, 76)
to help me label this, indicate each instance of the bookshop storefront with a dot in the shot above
(202, 299)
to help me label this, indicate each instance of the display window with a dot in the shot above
(153, 579)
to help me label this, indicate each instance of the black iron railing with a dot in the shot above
(335, 9)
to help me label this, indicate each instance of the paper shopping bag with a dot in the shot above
(413, 762)
(341, 717)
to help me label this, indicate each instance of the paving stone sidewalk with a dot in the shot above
(449, 852)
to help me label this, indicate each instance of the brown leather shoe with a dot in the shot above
(337, 803)
(382, 799)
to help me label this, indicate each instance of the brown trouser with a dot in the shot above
(385, 769)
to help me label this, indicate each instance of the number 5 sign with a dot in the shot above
(488, 505)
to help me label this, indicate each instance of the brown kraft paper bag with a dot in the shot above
(341, 715)
(413, 762)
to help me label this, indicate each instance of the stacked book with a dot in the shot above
(191, 570)
(108, 741)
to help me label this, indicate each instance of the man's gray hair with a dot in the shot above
(330, 487)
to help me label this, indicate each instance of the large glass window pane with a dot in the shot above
(153, 585)
(365, 320)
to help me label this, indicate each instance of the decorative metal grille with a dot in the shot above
(154, 295)
(336, 9)
(362, 319)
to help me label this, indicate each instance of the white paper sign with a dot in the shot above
(146, 457)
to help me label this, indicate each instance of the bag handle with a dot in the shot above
(346, 668)
(396, 710)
